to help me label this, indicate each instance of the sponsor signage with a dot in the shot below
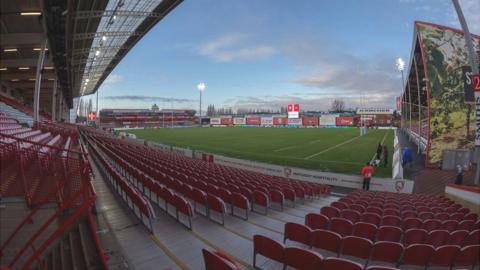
(375, 111)
(328, 120)
(311, 121)
(253, 120)
(293, 110)
(266, 121)
(239, 121)
(344, 121)
(294, 121)
(215, 121)
(280, 120)
(226, 120)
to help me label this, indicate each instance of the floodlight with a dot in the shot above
(400, 64)
(201, 87)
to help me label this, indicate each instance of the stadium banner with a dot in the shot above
(334, 179)
(450, 120)
(253, 120)
(239, 121)
(344, 121)
(310, 121)
(397, 168)
(279, 120)
(266, 121)
(215, 121)
(294, 121)
(226, 120)
(328, 120)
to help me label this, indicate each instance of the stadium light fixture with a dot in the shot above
(31, 13)
(104, 37)
(3, 69)
(400, 64)
(39, 49)
(10, 50)
(48, 68)
(97, 53)
(15, 80)
(24, 68)
(201, 87)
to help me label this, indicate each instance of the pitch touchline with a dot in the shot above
(285, 148)
(333, 147)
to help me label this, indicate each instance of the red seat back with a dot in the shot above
(339, 263)
(316, 221)
(417, 254)
(386, 251)
(297, 232)
(302, 259)
(218, 261)
(444, 255)
(268, 248)
(356, 246)
(326, 240)
(216, 204)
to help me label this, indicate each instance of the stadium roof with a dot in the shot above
(86, 40)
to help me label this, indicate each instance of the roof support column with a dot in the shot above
(54, 101)
(38, 82)
(419, 88)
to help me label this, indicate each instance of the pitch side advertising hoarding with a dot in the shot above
(253, 120)
(279, 120)
(215, 121)
(310, 121)
(328, 120)
(239, 121)
(266, 121)
(293, 110)
(344, 121)
(294, 121)
(226, 120)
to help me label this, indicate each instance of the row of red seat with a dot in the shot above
(364, 251)
(128, 193)
(455, 221)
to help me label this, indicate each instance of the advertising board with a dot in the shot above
(328, 120)
(266, 121)
(239, 121)
(226, 120)
(344, 121)
(293, 110)
(253, 120)
(294, 121)
(215, 121)
(310, 121)
(279, 120)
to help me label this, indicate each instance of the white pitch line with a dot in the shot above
(285, 148)
(333, 147)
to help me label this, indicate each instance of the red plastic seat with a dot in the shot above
(217, 205)
(365, 230)
(218, 261)
(441, 216)
(437, 238)
(444, 256)
(389, 233)
(409, 214)
(391, 221)
(473, 238)
(371, 218)
(418, 255)
(456, 216)
(330, 212)
(431, 224)
(351, 215)
(339, 263)
(268, 248)
(199, 197)
(471, 216)
(386, 251)
(426, 215)
(449, 225)
(414, 236)
(277, 196)
(466, 225)
(339, 205)
(356, 246)
(411, 223)
(240, 201)
(376, 210)
(316, 221)
(302, 259)
(289, 195)
(357, 207)
(326, 240)
(297, 232)
(468, 256)
(379, 267)
(261, 198)
(457, 237)
(341, 226)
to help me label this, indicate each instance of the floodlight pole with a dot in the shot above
(200, 111)
(474, 64)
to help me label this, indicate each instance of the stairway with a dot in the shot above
(20, 116)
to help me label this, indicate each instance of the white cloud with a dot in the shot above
(232, 47)
(471, 11)
(113, 79)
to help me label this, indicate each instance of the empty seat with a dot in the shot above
(365, 230)
(437, 238)
(302, 259)
(431, 224)
(330, 212)
(218, 261)
(466, 225)
(341, 226)
(386, 251)
(417, 255)
(316, 221)
(297, 232)
(411, 223)
(351, 215)
(391, 221)
(473, 238)
(339, 263)
(391, 212)
(268, 248)
(468, 256)
(356, 247)
(372, 218)
(326, 240)
(215, 204)
(277, 196)
(357, 207)
(379, 267)
(240, 201)
(389, 233)
(443, 256)
(449, 225)
(414, 236)
(339, 205)
(261, 198)
(456, 216)
(457, 237)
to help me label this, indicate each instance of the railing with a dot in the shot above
(69, 186)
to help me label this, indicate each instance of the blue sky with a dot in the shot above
(267, 53)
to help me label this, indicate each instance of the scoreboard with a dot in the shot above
(293, 110)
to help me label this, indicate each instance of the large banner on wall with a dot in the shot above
(294, 121)
(311, 121)
(279, 120)
(239, 121)
(215, 121)
(253, 120)
(328, 120)
(451, 121)
(266, 121)
(226, 120)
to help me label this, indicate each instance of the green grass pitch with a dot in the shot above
(328, 149)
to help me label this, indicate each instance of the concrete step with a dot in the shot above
(78, 258)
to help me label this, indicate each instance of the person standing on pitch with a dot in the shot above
(385, 155)
(367, 173)
(379, 151)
